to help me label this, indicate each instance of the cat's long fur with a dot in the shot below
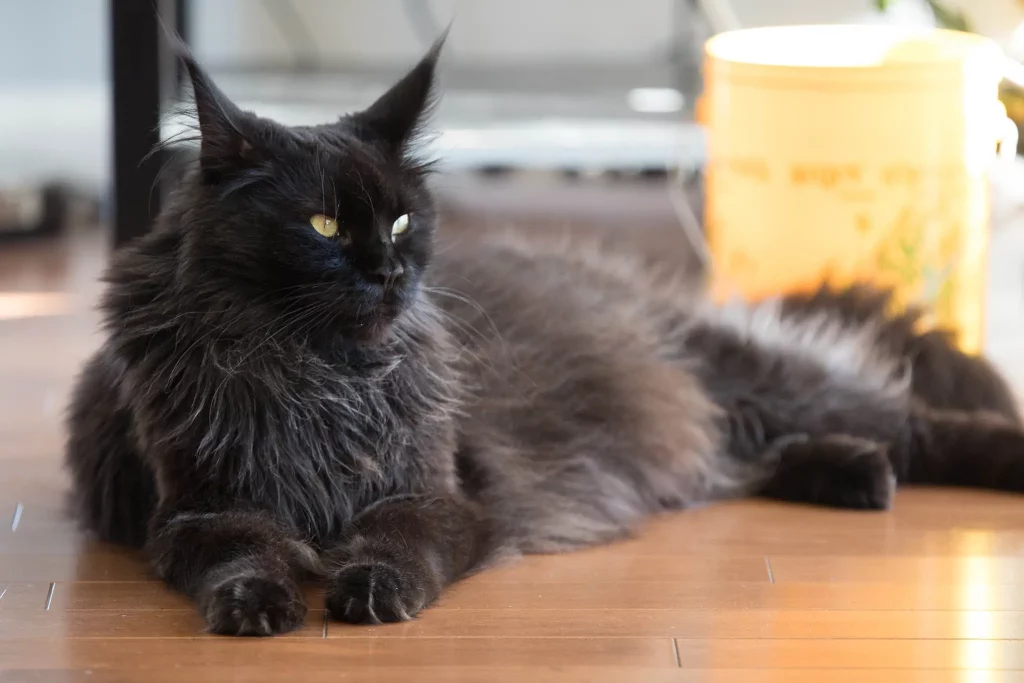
(271, 404)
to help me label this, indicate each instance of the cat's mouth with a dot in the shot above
(375, 325)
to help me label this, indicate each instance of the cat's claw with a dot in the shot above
(373, 593)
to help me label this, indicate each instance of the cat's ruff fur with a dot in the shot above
(268, 405)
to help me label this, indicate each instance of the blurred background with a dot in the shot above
(557, 116)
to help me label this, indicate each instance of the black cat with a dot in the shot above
(287, 391)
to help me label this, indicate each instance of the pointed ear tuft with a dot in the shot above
(397, 116)
(223, 146)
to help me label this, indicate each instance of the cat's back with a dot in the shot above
(567, 372)
(531, 286)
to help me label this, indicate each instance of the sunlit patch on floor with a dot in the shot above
(14, 305)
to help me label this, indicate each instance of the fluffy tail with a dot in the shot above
(944, 378)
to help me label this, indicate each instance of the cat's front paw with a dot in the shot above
(253, 605)
(374, 593)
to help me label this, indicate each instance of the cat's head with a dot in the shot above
(326, 228)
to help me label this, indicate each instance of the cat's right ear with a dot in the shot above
(223, 145)
(397, 115)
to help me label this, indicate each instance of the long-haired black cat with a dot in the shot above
(290, 388)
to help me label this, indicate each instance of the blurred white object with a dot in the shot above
(1001, 20)
(1008, 195)
(655, 100)
(1005, 314)
(721, 15)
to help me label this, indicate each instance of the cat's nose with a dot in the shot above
(389, 272)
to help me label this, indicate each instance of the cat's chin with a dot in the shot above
(374, 329)
(374, 325)
(370, 333)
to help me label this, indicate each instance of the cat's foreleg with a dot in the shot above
(239, 565)
(400, 555)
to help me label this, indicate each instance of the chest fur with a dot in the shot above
(306, 439)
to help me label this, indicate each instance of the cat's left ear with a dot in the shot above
(397, 116)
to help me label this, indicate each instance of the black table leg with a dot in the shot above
(137, 66)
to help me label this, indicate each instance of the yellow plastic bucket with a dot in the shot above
(851, 153)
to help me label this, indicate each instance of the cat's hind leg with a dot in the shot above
(113, 489)
(836, 471)
(953, 448)
(942, 447)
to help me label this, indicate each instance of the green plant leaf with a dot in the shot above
(944, 16)
(948, 18)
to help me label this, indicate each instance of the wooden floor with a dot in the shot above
(745, 592)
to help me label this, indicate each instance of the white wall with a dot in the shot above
(484, 31)
(46, 42)
(488, 31)
(54, 91)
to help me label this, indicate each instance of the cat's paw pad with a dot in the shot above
(254, 606)
(373, 593)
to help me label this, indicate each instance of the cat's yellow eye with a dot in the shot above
(328, 227)
(400, 225)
